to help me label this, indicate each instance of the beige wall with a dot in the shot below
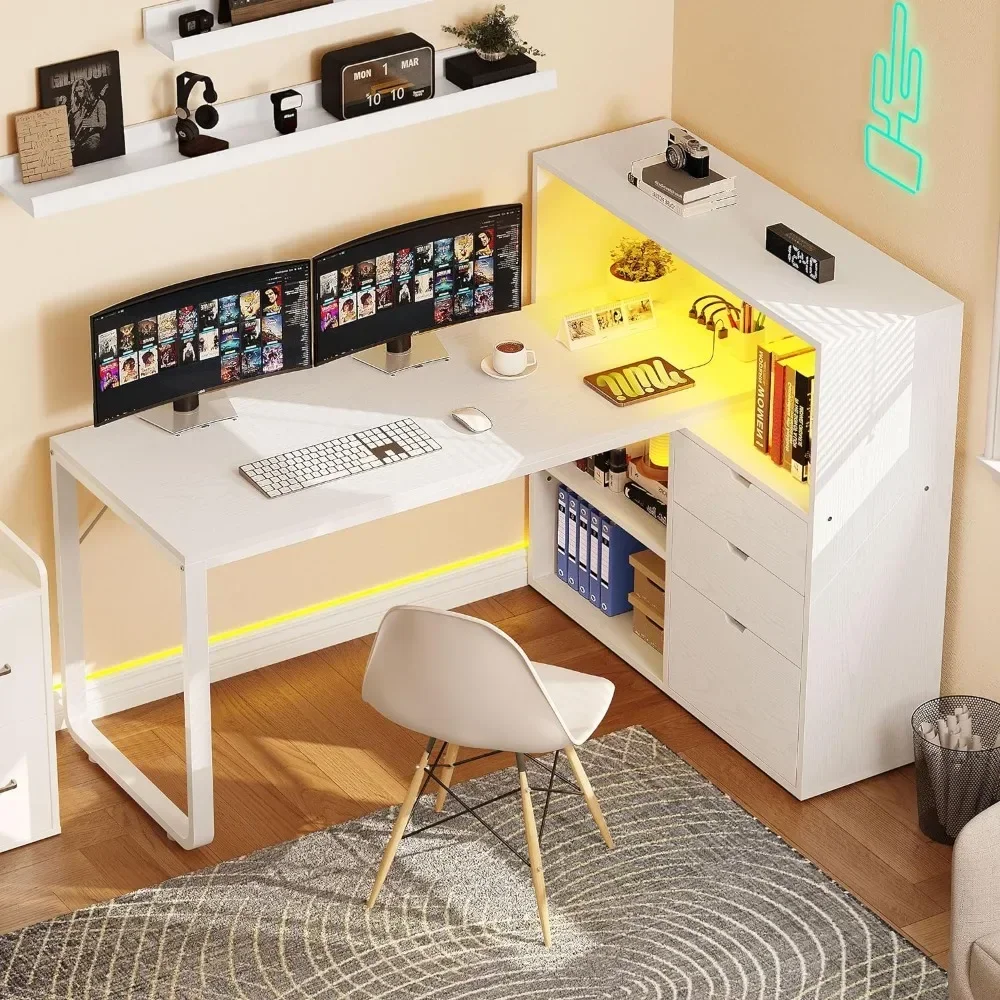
(55, 272)
(794, 109)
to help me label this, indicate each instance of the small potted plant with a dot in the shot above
(639, 266)
(494, 37)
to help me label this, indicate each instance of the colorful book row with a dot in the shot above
(786, 370)
(592, 554)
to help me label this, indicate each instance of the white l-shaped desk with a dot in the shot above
(547, 419)
(803, 622)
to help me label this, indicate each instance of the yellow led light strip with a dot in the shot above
(311, 609)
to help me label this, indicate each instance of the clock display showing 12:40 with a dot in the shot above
(388, 82)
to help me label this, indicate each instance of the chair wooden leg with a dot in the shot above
(399, 828)
(534, 851)
(450, 756)
(588, 794)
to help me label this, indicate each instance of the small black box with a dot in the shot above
(798, 252)
(468, 71)
(195, 22)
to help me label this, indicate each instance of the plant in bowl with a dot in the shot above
(494, 37)
(638, 266)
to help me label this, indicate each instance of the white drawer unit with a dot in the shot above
(29, 803)
(26, 800)
(22, 696)
(729, 503)
(740, 585)
(733, 680)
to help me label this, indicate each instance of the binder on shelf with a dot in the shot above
(595, 558)
(616, 571)
(572, 503)
(583, 550)
(561, 502)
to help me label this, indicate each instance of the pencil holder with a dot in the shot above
(956, 747)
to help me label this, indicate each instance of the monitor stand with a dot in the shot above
(407, 351)
(189, 412)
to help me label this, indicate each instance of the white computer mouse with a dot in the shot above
(472, 419)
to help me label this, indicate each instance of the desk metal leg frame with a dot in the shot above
(197, 827)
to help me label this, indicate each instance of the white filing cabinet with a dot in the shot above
(29, 804)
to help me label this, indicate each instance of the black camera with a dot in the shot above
(687, 152)
(195, 22)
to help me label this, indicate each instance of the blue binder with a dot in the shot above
(595, 558)
(583, 549)
(561, 501)
(617, 574)
(571, 514)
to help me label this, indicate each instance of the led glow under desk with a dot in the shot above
(841, 582)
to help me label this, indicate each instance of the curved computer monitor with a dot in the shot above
(382, 289)
(172, 344)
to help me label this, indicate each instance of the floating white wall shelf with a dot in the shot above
(152, 160)
(159, 25)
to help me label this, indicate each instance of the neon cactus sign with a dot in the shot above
(897, 79)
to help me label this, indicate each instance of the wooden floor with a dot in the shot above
(297, 750)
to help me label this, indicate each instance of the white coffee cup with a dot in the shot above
(511, 357)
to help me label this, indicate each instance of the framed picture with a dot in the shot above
(606, 322)
(580, 330)
(91, 91)
(639, 312)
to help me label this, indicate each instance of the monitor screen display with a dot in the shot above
(204, 334)
(418, 277)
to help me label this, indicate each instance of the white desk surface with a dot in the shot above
(187, 494)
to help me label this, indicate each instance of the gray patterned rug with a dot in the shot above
(697, 901)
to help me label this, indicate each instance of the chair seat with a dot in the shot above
(984, 967)
(581, 699)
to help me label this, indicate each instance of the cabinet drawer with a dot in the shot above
(26, 806)
(739, 685)
(727, 576)
(23, 677)
(743, 514)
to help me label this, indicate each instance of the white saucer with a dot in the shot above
(488, 369)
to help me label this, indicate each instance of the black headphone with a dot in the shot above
(206, 116)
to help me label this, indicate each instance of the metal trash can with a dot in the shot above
(956, 747)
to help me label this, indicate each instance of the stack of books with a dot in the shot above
(786, 370)
(678, 190)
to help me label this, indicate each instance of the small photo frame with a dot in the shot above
(639, 313)
(608, 321)
(580, 330)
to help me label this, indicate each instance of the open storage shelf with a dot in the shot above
(159, 25)
(621, 510)
(615, 633)
(153, 162)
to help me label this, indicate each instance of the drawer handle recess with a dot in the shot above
(737, 625)
(737, 551)
(9, 787)
(742, 480)
(5, 670)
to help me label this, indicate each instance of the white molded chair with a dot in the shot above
(462, 681)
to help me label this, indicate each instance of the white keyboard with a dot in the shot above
(340, 458)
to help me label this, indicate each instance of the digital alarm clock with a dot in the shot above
(798, 252)
(386, 73)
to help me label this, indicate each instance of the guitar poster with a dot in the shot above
(91, 90)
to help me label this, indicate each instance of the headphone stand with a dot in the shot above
(200, 145)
